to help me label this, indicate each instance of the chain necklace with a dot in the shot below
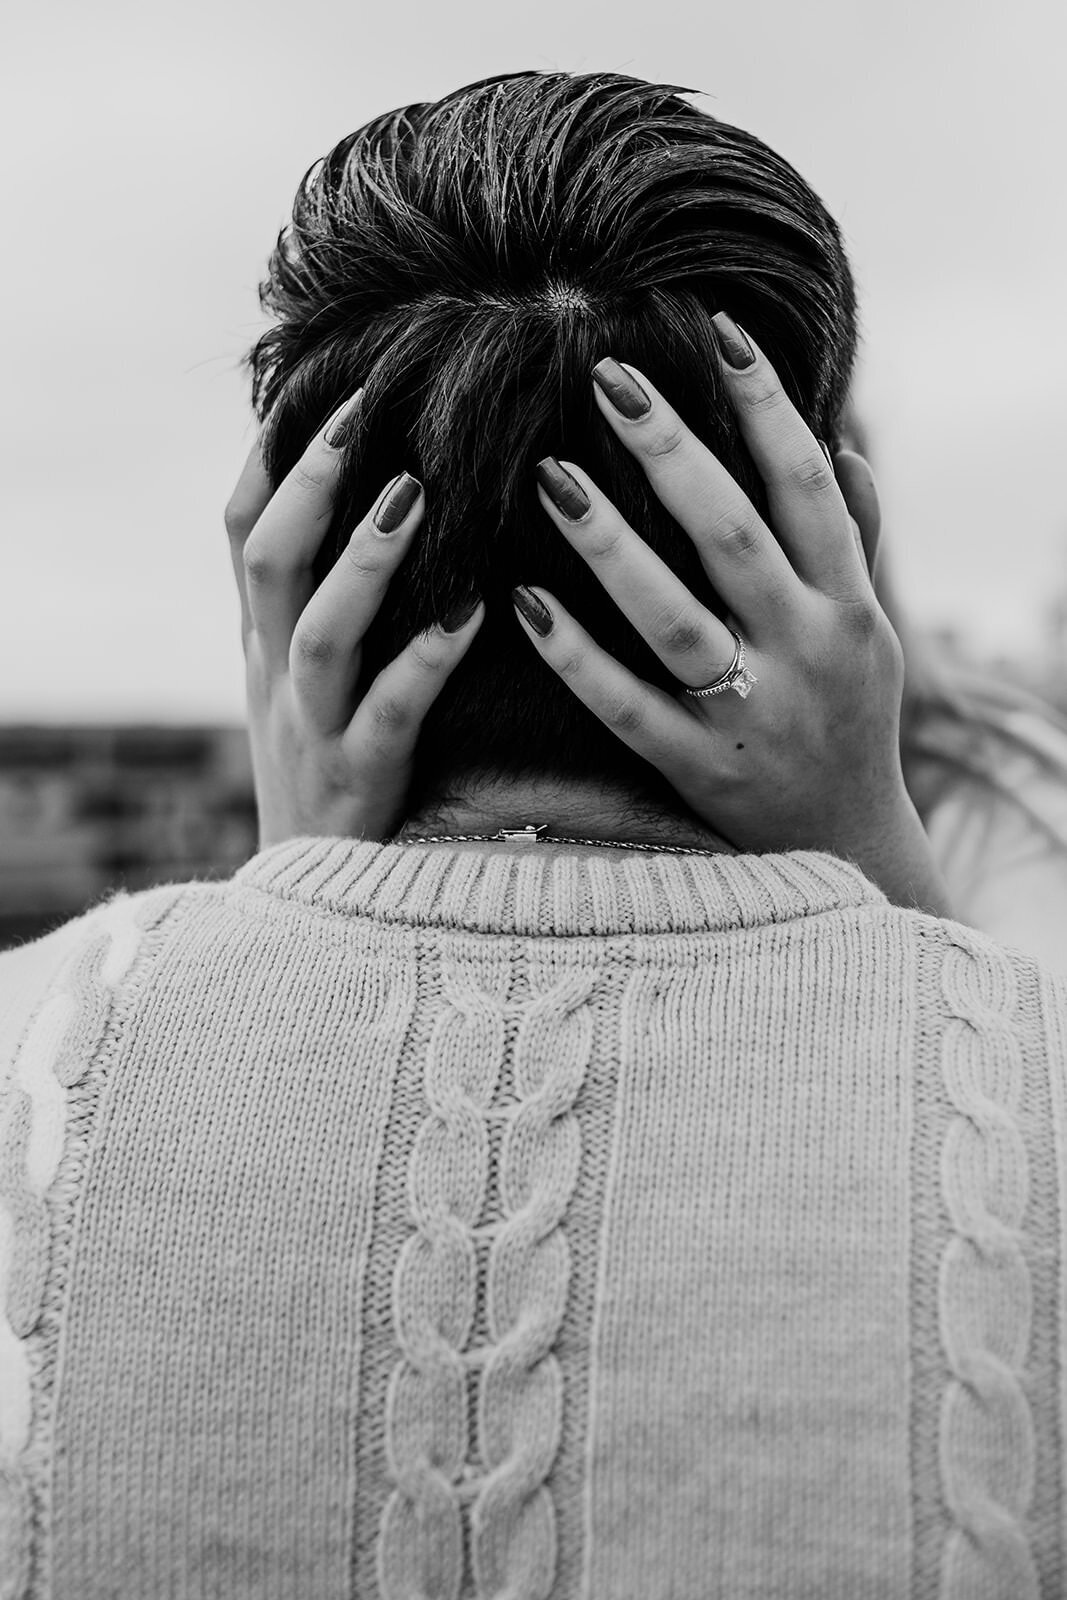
(535, 835)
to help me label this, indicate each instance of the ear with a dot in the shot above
(856, 482)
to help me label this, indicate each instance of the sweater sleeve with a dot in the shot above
(26, 975)
(29, 972)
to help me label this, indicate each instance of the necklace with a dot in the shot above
(535, 835)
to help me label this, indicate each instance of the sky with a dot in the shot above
(151, 155)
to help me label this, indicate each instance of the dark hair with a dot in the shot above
(468, 262)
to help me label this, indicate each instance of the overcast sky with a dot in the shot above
(151, 155)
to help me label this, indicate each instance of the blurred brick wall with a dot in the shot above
(86, 810)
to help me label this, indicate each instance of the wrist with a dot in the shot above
(898, 858)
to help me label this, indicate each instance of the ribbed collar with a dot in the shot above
(496, 891)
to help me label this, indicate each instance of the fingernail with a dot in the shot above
(396, 503)
(733, 346)
(340, 426)
(563, 489)
(453, 620)
(825, 448)
(624, 392)
(534, 610)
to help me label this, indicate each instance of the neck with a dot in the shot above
(576, 809)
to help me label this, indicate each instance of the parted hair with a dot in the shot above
(467, 262)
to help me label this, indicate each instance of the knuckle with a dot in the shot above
(360, 556)
(863, 620)
(763, 393)
(811, 473)
(865, 633)
(737, 537)
(602, 544)
(571, 665)
(310, 476)
(313, 649)
(664, 437)
(239, 519)
(623, 715)
(889, 647)
(391, 715)
(679, 633)
(260, 565)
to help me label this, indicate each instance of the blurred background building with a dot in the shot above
(86, 810)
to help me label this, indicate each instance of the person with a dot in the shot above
(576, 1155)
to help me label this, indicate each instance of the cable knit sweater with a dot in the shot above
(417, 1221)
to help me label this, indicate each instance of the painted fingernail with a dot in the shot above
(340, 427)
(563, 489)
(624, 392)
(733, 346)
(396, 503)
(453, 620)
(534, 610)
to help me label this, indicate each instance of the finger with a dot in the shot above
(382, 734)
(853, 524)
(738, 551)
(645, 718)
(858, 487)
(324, 656)
(280, 550)
(688, 638)
(244, 509)
(807, 509)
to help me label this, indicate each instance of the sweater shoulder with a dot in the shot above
(945, 934)
(33, 973)
(972, 963)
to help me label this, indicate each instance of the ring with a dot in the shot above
(736, 677)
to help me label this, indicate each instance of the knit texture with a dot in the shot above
(417, 1221)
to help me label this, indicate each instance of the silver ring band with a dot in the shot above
(736, 677)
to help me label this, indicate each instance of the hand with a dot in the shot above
(810, 760)
(323, 765)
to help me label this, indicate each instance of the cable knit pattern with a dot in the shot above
(521, 1400)
(987, 1431)
(435, 1298)
(513, 1535)
(45, 1122)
